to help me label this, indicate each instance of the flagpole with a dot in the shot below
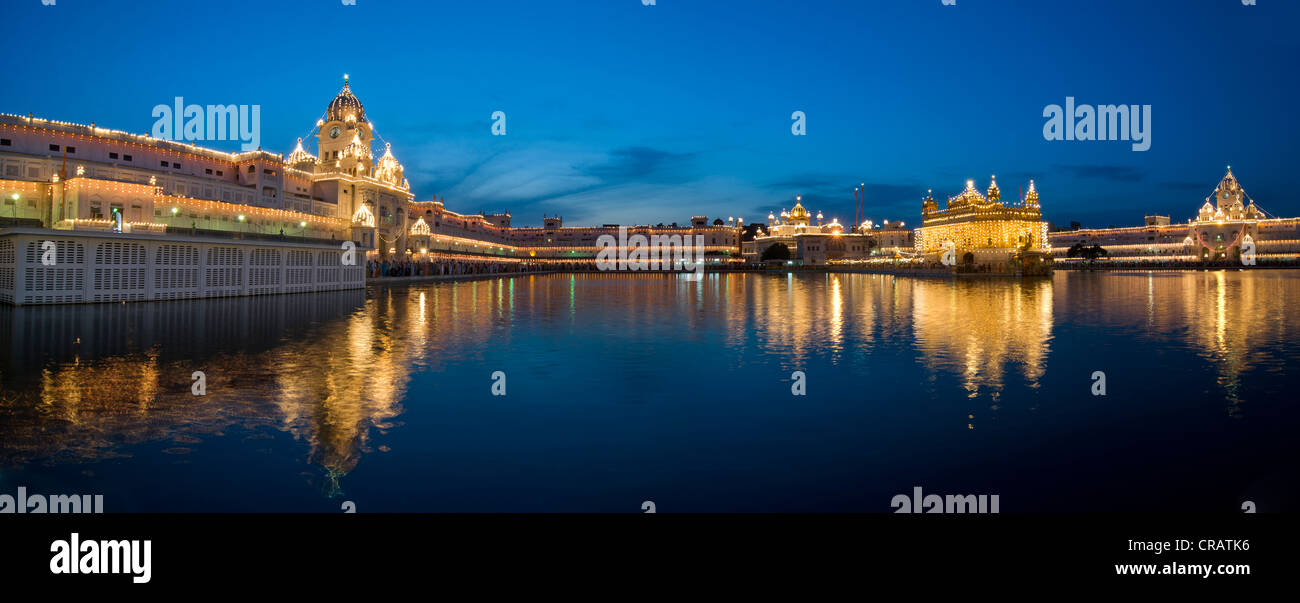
(857, 208)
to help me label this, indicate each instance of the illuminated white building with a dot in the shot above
(1227, 223)
(827, 242)
(76, 177)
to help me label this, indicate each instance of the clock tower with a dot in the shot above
(370, 193)
(344, 135)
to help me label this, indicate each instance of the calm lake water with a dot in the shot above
(622, 389)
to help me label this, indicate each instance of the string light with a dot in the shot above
(976, 222)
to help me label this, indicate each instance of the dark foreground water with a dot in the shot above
(622, 389)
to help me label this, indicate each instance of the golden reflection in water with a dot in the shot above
(797, 316)
(1228, 317)
(85, 382)
(977, 327)
(343, 374)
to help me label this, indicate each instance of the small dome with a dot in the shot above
(299, 155)
(364, 217)
(1031, 197)
(357, 148)
(1228, 184)
(389, 170)
(928, 203)
(798, 213)
(969, 196)
(345, 105)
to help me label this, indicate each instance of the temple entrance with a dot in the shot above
(1215, 254)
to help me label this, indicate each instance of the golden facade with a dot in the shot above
(982, 229)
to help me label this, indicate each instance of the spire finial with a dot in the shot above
(345, 80)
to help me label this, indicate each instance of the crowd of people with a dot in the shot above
(461, 267)
(446, 267)
(379, 268)
(1112, 263)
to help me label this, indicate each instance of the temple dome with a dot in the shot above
(345, 105)
(299, 156)
(389, 170)
(799, 214)
(357, 148)
(969, 196)
(1228, 184)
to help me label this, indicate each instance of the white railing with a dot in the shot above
(40, 266)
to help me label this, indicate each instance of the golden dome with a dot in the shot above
(798, 213)
(969, 196)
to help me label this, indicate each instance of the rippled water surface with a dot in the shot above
(622, 389)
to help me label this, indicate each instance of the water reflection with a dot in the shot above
(977, 327)
(1234, 320)
(82, 383)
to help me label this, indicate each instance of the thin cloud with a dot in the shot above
(642, 164)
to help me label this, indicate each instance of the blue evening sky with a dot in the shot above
(619, 112)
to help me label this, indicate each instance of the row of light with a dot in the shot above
(196, 152)
(1003, 234)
